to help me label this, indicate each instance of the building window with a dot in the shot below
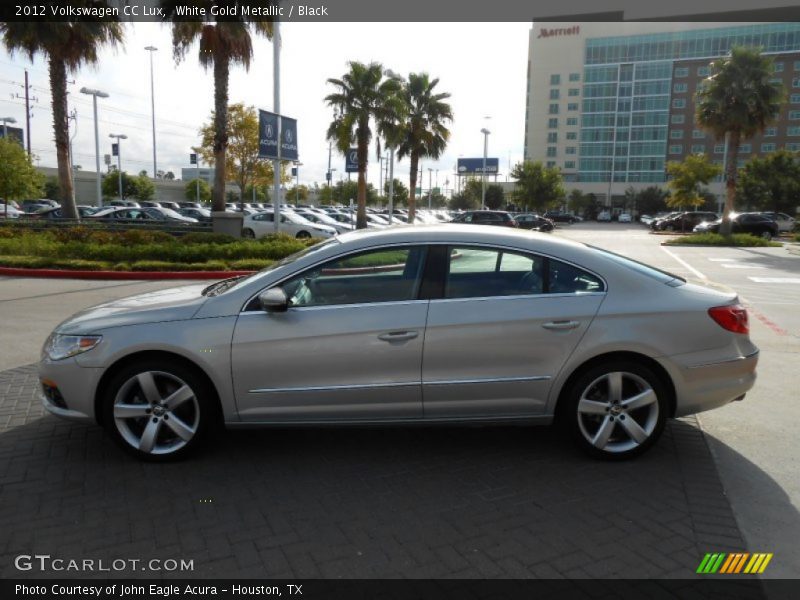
(677, 119)
(677, 149)
(572, 120)
(570, 164)
(796, 82)
(794, 115)
(574, 92)
(698, 149)
(703, 71)
(793, 147)
(698, 134)
(555, 93)
(778, 67)
(770, 132)
(681, 71)
(574, 76)
(552, 123)
(746, 148)
(719, 149)
(680, 88)
(551, 151)
(553, 109)
(776, 81)
(793, 131)
(551, 164)
(555, 79)
(679, 103)
(571, 150)
(768, 147)
(797, 65)
(676, 134)
(552, 138)
(572, 135)
(794, 99)
(572, 106)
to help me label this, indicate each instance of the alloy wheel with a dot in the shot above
(156, 412)
(618, 412)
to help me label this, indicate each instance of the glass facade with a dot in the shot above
(629, 86)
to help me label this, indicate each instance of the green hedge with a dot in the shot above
(140, 250)
(715, 239)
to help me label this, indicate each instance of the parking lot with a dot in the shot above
(432, 502)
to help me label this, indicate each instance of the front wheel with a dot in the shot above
(616, 410)
(303, 235)
(767, 235)
(249, 234)
(158, 410)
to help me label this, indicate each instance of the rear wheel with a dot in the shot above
(249, 234)
(303, 235)
(158, 410)
(616, 410)
(766, 234)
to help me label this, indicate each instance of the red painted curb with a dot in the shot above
(118, 275)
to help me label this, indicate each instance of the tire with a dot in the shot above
(249, 234)
(143, 423)
(766, 235)
(303, 235)
(604, 427)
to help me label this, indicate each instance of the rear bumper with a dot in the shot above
(705, 386)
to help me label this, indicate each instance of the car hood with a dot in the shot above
(172, 304)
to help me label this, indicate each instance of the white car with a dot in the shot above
(323, 219)
(604, 216)
(8, 211)
(784, 221)
(625, 218)
(263, 223)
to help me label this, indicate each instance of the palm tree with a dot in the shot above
(739, 101)
(362, 95)
(228, 41)
(424, 132)
(66, 45)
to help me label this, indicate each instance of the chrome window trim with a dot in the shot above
(521, 296)
(363, 386)
(337, 306)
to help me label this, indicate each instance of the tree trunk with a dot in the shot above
(221, 70)
(412, 193)
(731, 172)
(363, 158)
(58, 89)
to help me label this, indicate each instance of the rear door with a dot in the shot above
(503, 327)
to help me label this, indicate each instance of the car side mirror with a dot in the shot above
(273, 300)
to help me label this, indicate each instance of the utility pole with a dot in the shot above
(119, 137)
(27, 114)
(151, 50)
(430, 187)
(96, 94)
(276, 106)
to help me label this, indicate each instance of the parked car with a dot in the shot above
(535, 222)
(323, 219)
(149, 214)
(625, 218)
(33, 206)
(9, 212)
(191, 205)
(56, 213)
(685, 221)
(568, 342)
(604, 216)
(203, 215)
(124, 203)
(486, 217)
(561, 217)
(753, 223)
(263, 223)
(784, 221)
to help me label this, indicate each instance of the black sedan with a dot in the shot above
(535, 222)
(752, 223)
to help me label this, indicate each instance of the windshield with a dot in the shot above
(225, 285)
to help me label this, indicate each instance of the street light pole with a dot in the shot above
(119, 137)
(391, 184)
(151, 50)
(485, 133)
(430, 187)
(95, 95)
(297, 166)
(276, 106)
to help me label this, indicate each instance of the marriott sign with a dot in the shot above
(553, 32)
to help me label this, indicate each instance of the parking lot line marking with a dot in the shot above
(684, 263)
(775, 279)
(738, 266)
(722, 259)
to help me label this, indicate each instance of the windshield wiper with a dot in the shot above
(220, 286)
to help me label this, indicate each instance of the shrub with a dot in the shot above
(715, 239)
(206, 238)
(249, 264)
(143, 236)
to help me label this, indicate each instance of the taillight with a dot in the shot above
(732, 317)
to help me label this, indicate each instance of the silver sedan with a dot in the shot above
(410, 325)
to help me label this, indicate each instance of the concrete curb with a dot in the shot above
(118, 275)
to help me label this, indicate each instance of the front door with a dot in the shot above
(348, 348)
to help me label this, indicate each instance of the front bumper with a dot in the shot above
(76, 387)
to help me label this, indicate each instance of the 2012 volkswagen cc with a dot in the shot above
(410, 325)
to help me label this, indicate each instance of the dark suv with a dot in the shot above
(752, 223)
(486, 217)
(685, 221)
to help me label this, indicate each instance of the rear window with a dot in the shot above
(635, 265)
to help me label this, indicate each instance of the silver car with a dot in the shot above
(412, 325)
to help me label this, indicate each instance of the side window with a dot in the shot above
(482, 272)
(381, 275)
(567, 279)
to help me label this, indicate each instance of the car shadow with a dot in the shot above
(433, 502)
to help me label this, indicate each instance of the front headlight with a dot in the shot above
(58, 347)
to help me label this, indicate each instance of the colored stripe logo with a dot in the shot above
(734, 563)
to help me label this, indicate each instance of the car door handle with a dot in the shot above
(398, 336)
(561, 325)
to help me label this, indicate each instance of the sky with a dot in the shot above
(482, 66)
